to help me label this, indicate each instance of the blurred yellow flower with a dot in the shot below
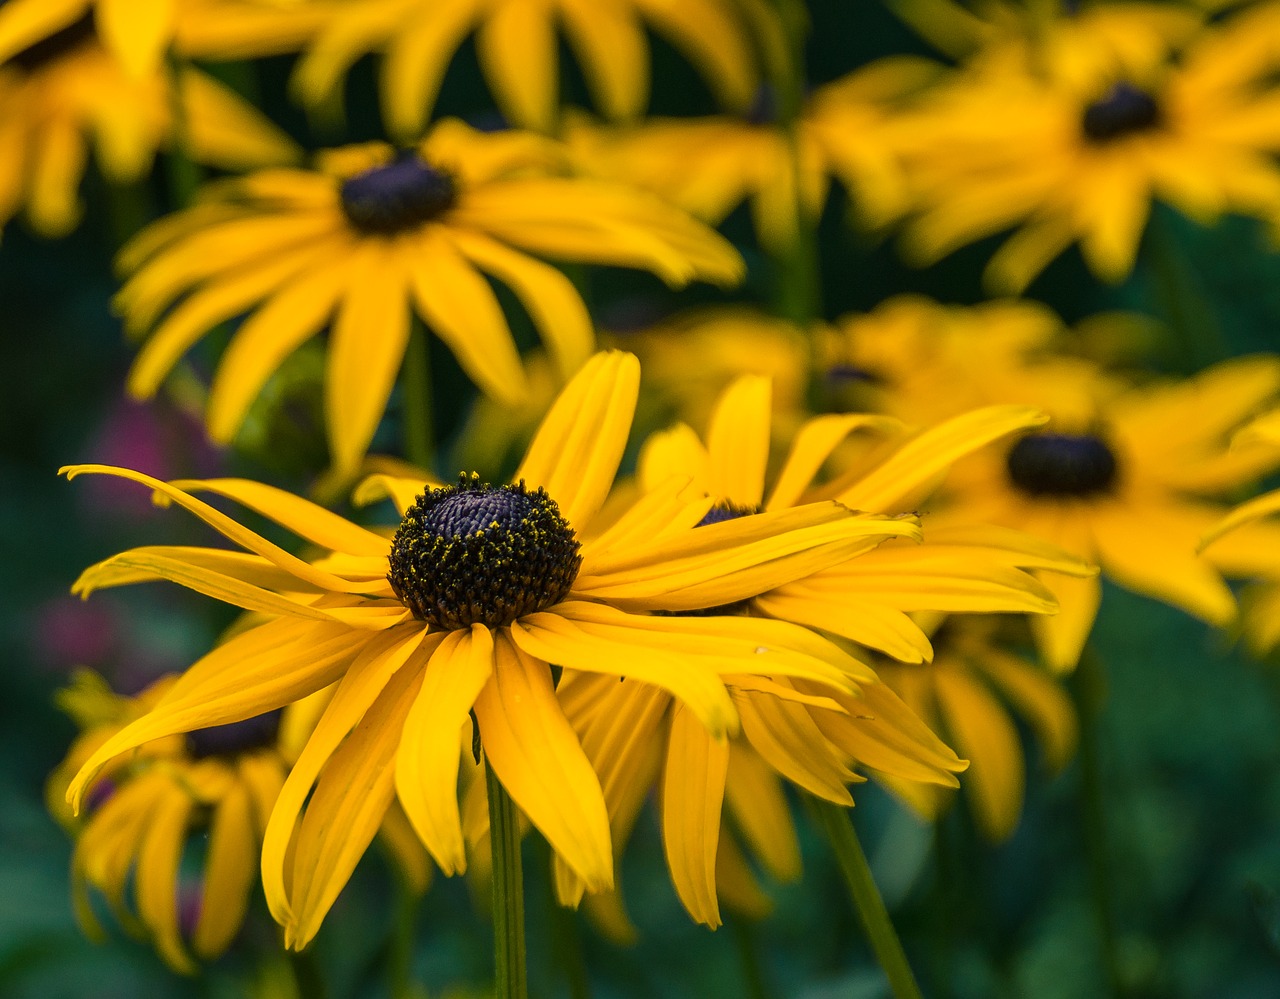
(516, 41)
(709, 166)
(1062, 160)
(143, 809)
(973, 694)
(462, 611)
(369, 238)
(1126, 476)
(66, 94)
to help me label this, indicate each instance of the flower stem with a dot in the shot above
(1088, 687)
(419, 422)
(744, 935)
(183, 172)
(838, 828)
(510, 973)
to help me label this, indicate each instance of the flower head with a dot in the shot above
(371, 236)
(516, 43)
(1081, 158)
(494, 583)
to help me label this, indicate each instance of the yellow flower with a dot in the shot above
(792, 730)
(248, 29)
(1260, 602)
(971, 693)
(914, 358)
(65, 94)
(480, 589)
(1064, 160)
(517, 47)
(135, 32)
(142, 811)
(1125, 476)
(370, 237)
(1073, 42)
(709, 166)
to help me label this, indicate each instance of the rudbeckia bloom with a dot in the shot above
(635, 735)
(144, 809)
(974, 693)
(1126, 476)
(479, 590)
(64, 94)
(517, 46)
(709, 166)
(1065, 161)
(371, 236)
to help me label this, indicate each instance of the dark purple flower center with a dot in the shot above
(1122, 110)
(397, 196)
(1062, 465)
(49, 48)
(258, 732)
(480, 554)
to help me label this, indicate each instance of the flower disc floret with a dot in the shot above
(1123, 110)
(397, 196)
(258, 732)
(1068, 465)
(480, 554)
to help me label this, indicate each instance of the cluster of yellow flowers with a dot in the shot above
(796, 578)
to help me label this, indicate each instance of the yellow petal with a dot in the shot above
(536, 755)
(230, 871)
(692, 797)
(738, 441)
(427, 764)
(136, 31)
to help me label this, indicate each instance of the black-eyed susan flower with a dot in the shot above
(516, 41)
(791, 730)
(65, 95)
(143, 810)
(1071, 41)
(709, 166)
(462, 611)
(372, 236)
(974, 693)
(1127, 476)
(1065, 160)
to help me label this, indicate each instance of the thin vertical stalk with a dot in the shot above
(400, 952)
(183, 173)
(510, 972)
(744, 936)
(868, 904)
(419, 420)
(1088, 688)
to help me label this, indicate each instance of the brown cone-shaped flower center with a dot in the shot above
(480, 554)
(257, 732)
(397, 196)
(1122, 110)
(1062, 465)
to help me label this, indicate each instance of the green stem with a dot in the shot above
(744, 936)
(184, 174)
(510, 973)
(566, 943)
(419, 422)
(1088, 688)
(400, 956)
(307, 974)
(838, 828)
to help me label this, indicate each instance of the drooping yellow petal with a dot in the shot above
(692, 796)
(789, 741)
(813, 445)
(229, 872)
(536, 755)
(427, 764)
(610, 45)
(387, 656)
(157, 889)
(517, 49)
(343, 815)
(760, 812)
